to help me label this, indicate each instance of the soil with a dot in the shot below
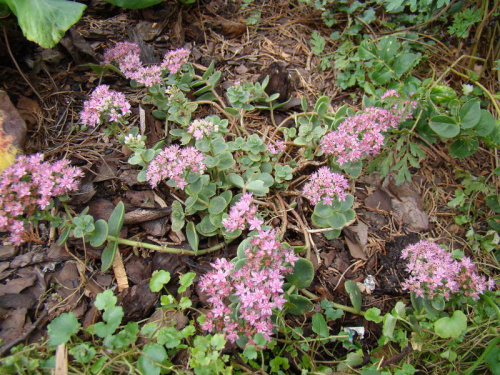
(40, 280)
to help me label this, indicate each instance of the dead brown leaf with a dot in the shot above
(231, 29)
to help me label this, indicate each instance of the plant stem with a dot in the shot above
(352, 310)
(165, 249)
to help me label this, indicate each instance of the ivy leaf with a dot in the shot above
(113, 317)
(185, 281)
(105, 300)
(62, 327)
(153, 353)
(45, 21)
(159, 279)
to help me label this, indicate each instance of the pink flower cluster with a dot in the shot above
(173, 60)
(434, 272)
(173, 163)
(27, 186)
(278, 146)
(127, 56)
(359, 136)
(243, 299)
(105, 105)
(202, 128)
(242, 213)
(326, 187)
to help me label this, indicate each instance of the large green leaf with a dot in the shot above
(134, 4)
(45, 21)
(61, 328)
(470, 113)
(464, 147)
(298, 305)
(451, 327)
(444, 126)
(302, 275)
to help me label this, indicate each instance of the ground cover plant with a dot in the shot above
(188, 214)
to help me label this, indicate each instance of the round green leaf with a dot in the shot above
(298, 305)
(217, 205)
(100, 233)
(61, 328)
(159, 279)
(347, 203)
(337, 220)
(451, 327)
(153, 353)
(323, 210)
(302, 275)
(444, 126)
(45, 21)
(319, 221)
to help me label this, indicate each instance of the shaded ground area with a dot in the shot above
(41, 279)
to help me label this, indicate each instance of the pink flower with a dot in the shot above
(326, 187)
(434, 272)
(202, 128)
(28, 186)
(241, 214)
(359, 136)
(106, 106)
(174, 163)
(173, 60)
(257, 285)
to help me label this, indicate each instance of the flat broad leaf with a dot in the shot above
(45, 21)
(404, 62)
(159, 279)
(470, 113)
(153, 353)
(298, 305)
(451, 327)
(185, 281)
(319, 325)
(463, 147)
(444, 126)
(486, 124)
(99, 234)
(302, 275)
(61, 328)
(217, 205)
(115, 221)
